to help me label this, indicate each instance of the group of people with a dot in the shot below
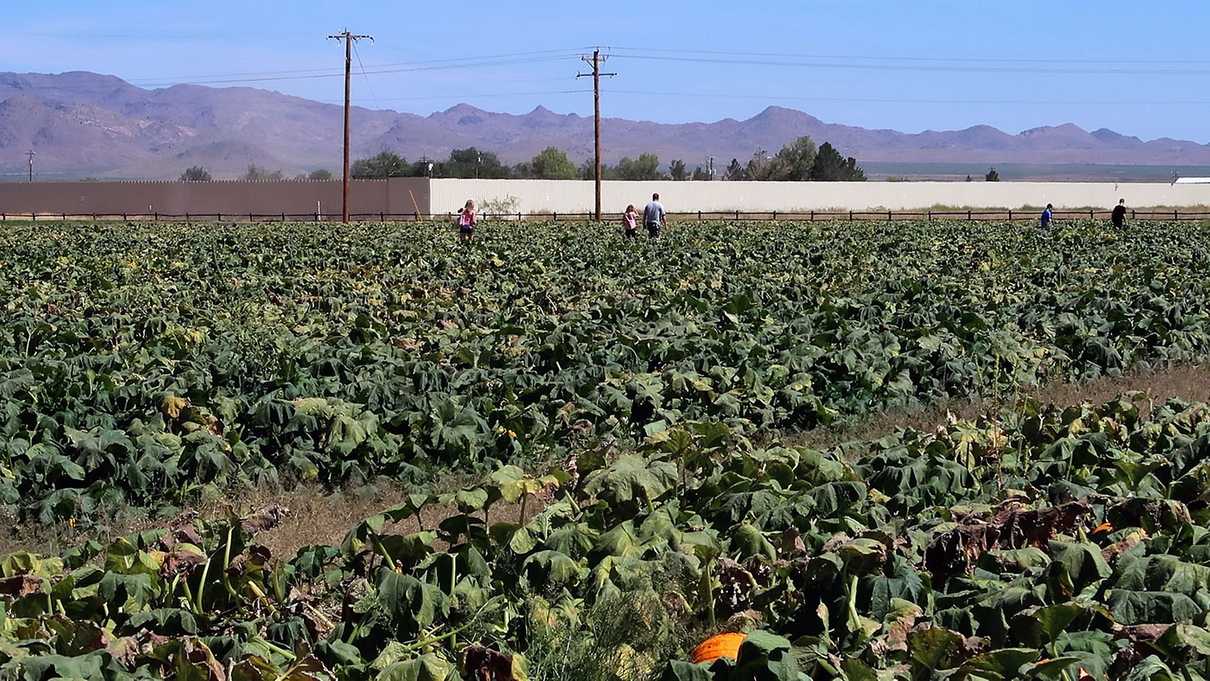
(1118, 216)
(654, 219)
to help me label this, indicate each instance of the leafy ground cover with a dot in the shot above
(1046, 543)
(147, 365)
(616, 411)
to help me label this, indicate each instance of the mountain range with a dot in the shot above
(86, 124)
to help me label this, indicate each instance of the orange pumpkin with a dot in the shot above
(722, 645)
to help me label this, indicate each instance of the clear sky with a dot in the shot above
(1140, 68)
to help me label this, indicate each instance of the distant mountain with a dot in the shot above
(85, 124)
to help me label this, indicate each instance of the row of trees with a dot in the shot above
(797, 161)
(254, 173)
(992, 176)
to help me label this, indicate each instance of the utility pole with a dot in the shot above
(30, 155)
(349, 39)
(596, 74)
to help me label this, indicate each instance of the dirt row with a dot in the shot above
(316, 516)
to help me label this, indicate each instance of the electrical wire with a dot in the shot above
(464, 96)
(479, 94)
(329, 71)
(919, 67)
(369, 85)
(989, 60)
(899, 100)
(371, 71)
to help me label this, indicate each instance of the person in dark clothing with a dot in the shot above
(1048, 215)
(1119, 214)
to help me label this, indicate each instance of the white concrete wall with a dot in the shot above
(575, 196)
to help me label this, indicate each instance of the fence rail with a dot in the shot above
(742, 216)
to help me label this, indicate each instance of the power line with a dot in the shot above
(363, 70)
(468, 95)
(569, 53)
(907, 100)
(908, 58)
(371, 71)
(915, 67)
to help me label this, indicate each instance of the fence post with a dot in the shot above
(889, 217)
(699, 216)
(930, 216)
(382, 216)
(186, 217)
(737, 216)
(250, 218)
(33, 217)
(1176, 215)
(555, 216)
(968, 215)
(220, 217)
(850, 216)
(123, 216)
(518, 216)
(1092, 215)
(812, 216)
(1010, 214)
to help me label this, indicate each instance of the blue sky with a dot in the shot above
(1138, 68)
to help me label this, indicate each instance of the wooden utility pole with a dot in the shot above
(348, 39)
(30, 155)
(596, 74)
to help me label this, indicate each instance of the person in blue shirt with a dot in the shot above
(1048, 215)
(654, 217)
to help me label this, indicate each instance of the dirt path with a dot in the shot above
(1187, 382)
(319, 517)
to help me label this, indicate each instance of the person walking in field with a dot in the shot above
(630, 222)
(1119, 214)
(1048, 215)
(654, 217)
(466, 221)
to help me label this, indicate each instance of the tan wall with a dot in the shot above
(574, 196)
(81, 198)
(401, 196)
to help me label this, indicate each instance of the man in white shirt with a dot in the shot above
(654, 216)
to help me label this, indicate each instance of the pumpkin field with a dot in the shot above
(594, 441)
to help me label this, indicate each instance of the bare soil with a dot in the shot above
(1188, 382)
(319, 517)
